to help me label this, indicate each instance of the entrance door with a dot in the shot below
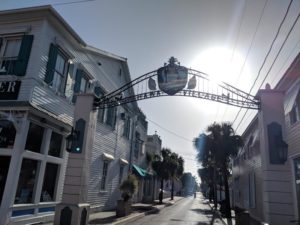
(297, 181)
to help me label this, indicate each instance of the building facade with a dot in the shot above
(43, 65)
(266, 170)
(153, 147)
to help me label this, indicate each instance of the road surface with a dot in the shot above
(188, 211)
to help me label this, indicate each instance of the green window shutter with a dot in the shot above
(51, 63)
(23, 57)
(77, 83)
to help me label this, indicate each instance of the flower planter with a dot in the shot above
(123, 208)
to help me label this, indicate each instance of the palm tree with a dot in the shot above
(160, 167)
(180, 169)
(175, 166)
(170, 165)
(206, 175)
(221, 144)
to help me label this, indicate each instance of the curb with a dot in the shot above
(128, 219)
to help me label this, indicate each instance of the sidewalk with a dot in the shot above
(139, 210)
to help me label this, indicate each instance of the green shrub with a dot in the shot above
(128, 187)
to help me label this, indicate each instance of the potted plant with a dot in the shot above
(128, 188)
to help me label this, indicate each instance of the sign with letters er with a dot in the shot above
(9, 90)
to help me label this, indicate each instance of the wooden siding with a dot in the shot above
(41, 96)
(111, 141)
(247, 162)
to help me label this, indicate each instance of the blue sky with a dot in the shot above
(225, 38)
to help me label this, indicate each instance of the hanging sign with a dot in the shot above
(7, 133)
(9, 90)
(172, 78)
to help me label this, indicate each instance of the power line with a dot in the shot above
(285, 61)
(233, 51)
(171, 132)
(271, 67)
(267, 55)
(73, 2)
(249, 49)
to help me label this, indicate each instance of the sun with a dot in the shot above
(223, 65)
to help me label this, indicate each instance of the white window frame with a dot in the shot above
(59, 80)
(3, 47)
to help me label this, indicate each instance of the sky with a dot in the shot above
(228, 39)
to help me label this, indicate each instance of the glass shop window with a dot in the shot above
(27, 182)
(7, 134)
(4, 165)
(34, 138)
(55, 144)
(50, 183)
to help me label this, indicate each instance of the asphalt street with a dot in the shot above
(188, 211)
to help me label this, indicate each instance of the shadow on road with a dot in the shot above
(203, 211)
(210, 214)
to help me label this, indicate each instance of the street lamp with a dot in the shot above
(70, 139)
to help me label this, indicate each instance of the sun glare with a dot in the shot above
(222, 65)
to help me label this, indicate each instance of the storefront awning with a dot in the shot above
(139, 171)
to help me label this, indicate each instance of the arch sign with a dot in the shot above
(175, 80)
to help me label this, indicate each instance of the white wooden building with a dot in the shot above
(43, 63)
(264, 183)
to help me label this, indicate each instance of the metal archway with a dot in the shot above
(175, 80)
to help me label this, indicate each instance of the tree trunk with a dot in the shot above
(160, 197)
(172, 190)
(221, 186)
(215, 189)
(227, 196)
